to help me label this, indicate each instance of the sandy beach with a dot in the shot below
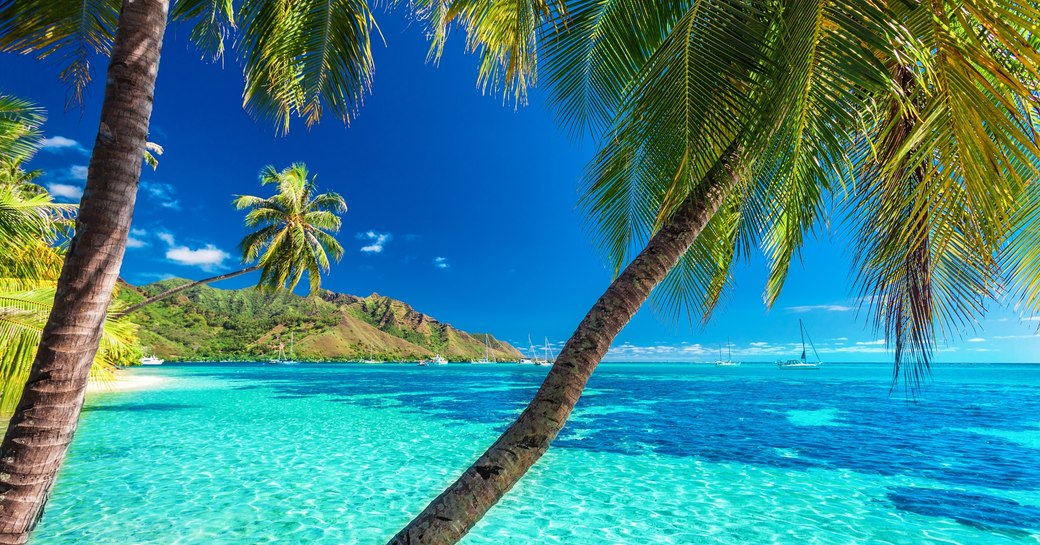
(125, 381)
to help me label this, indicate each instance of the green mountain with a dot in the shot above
(206, 323)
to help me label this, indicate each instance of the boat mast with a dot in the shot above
(801, 329)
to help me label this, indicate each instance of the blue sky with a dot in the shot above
(460, 205)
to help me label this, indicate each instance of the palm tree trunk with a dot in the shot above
(451, 515)
(188, 286)
(44, 422)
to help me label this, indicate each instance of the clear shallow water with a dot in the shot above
(342, 454)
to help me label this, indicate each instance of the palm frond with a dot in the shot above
(20, 122)
(303, 57)
(71, 32)
(213, 22)
(505, 33)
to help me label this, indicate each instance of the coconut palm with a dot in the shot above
(294, 234)
(299, 59)
(30, 225)
(727, 126)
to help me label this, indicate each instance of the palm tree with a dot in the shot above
(30, 226)
(299, 58)
(726, 126)
(294, 234)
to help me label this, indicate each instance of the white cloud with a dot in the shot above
(162, 193)
(376, 241)
(840, 339)
(207, 258)
(826, 308)
(61, 143)
(165, 237)
(77, 172)
(876, 342)
(66, 191)
(976, 340)
(132, 242)
(441, 262)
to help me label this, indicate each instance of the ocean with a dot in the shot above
(328, 454)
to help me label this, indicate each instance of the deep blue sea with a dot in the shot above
(324, 454)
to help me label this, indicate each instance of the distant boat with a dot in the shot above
(370, 361)
(487, 351)
(534, 354)
(802, 363)
(439, 360)
(151, 360)
(550, 358)
(292, 351)
(728, 362)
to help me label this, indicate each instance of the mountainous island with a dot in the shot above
(206, 324)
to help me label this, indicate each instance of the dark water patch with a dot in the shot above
(976, 510)
(139, 407)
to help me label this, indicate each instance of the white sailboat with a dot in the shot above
(802, 362)
(292, 351)
(487, 350)
(534, 353)
(151, 360)
(728, 362)
(550, 358)
(439, 360)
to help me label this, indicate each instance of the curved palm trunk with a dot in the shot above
(44, 422)
(451, 515)
(188, 286)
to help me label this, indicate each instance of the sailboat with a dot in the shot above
(534, 354)
(801, 363)
(292, 351)
(728, 362)
(487, 350)
(280, 360)
(550, 358)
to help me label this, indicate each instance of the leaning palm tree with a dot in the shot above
(294, 235)
(726, 127)
(299, 58)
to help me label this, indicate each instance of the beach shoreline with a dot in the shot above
(126, 381)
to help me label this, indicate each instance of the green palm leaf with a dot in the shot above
(295, 229)
(74, 31)
(303, 57)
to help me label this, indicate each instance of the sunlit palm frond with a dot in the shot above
(71, 32)
(689, 104)
(830, 59)
(23, 312)
(20, 122)
(303, 57)
(593, 56)
(504, 33)
(954, 166)
(295, 229)
(213, 22)
(152, 151)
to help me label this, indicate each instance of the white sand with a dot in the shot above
(125, 381)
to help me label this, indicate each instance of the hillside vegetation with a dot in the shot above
(206, 323)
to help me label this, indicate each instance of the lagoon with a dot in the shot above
(656, 453)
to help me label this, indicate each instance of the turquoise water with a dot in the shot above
(340, 454)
